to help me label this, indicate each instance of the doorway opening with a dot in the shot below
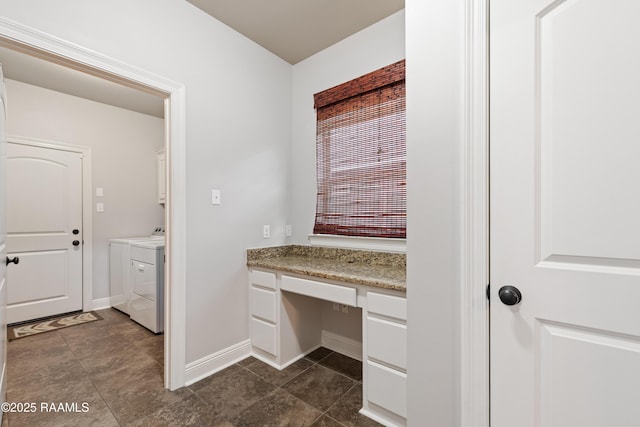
(41, 45)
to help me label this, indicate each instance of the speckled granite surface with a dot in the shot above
(378, 269)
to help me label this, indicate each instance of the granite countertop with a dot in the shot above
(377, 269)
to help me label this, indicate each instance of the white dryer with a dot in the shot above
(147, 284)
(120, 268)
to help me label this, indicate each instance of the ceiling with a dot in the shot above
(40, 72)
(291, 29)
(297, 29)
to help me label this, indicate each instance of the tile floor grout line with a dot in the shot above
(338, 399)
(356, 383)
(333, 419)
(342, 374)
(322, 358)
(97, 389)
(86, 374)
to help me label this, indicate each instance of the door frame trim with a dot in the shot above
(474, 244)
(87, 218)
(37, 43)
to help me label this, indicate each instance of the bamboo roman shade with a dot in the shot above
(361, 156)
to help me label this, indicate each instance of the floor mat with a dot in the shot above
(47, 325)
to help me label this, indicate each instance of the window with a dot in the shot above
(361, 156)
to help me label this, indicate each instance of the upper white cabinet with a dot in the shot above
(162, 178)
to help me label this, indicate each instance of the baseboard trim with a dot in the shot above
(208, 365)
(101, 303)
(388, 420)
(342, 345)
(264, 357)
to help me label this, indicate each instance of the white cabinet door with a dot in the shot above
(263, 336)
(387, 388)
(565, 210)
(263, 304)
(387, 342)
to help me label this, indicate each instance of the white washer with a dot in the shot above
(120, 270)
(147, 284)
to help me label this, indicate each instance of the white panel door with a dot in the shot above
(44, 208)
(565, 212)
(3, 235)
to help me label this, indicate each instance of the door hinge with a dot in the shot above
(489, 291)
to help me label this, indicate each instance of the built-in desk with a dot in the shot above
(285, 317)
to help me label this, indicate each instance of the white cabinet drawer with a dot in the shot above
(387, 342)
(262, 278)
(387, 388)
(263, 335)
(387, 305)
(263, 304)
(336, 293)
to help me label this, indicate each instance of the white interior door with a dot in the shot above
(3, 235)
(565, 212)
(44, 224)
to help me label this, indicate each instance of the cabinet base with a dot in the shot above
(383, 416)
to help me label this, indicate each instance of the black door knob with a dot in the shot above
(76, 242)
(75, 231)
(509, 295)
(14, 260)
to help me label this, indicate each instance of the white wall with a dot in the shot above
(238, 130)
(374, 47)
(123, 145)
(434, 165)
(346, 325)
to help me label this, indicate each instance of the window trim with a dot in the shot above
(381, 244)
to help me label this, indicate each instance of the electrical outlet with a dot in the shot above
(336, 306)
(344, 308)
(99, 207)
(266, 231)
(288, 231)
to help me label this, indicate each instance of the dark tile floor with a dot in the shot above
(116, 367)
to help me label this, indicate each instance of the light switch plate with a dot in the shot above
(99, 192)
(215, 197)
